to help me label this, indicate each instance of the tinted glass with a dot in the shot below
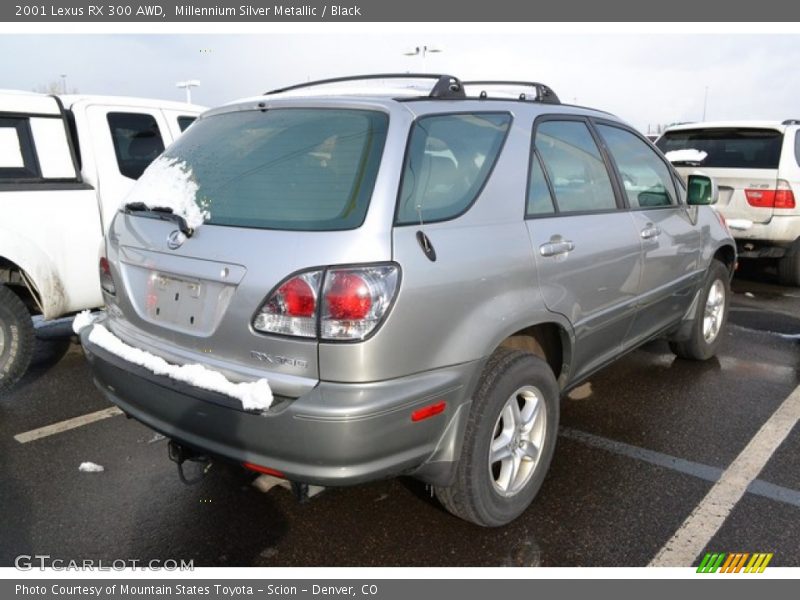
(294, 169)
(184, 122)
(540, 202)
(449, 158)
(797, 146)
(137, 141)
(645, 176)
(575, 166)
(728, 148)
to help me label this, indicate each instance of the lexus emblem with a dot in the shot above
(175, 239)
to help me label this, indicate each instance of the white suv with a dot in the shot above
(757, 167)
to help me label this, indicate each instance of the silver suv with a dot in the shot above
(335, 286)
(757, 167)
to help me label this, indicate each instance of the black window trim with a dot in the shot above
(486, 180)
(31, 171)
(670, 169)
(535, 156)
(620, 198)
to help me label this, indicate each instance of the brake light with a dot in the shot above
(342, 303)
(348, 297)
(355, 300)
(106, 279)
(291, 309)
(784, 197)
(760, 198)
(781, 197)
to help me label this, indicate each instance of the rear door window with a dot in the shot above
(137, 141)
(290, 169)
(575, 167)
(645, 177)
(732, 148)
(448, 161)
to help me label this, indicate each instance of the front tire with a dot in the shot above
(16, 339)
(710, 316)
(508, 443)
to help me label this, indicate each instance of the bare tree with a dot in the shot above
(54, 87)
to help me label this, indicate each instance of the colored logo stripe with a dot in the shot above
(734, 562)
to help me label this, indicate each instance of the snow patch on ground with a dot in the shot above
(170, 183)
(90, 467)
(82, 319)
(255, 395)
(686, 155)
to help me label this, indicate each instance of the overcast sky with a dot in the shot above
(645, 79)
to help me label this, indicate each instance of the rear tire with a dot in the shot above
(789, 266)
(16, 339)
(514, 419)
(710, 316)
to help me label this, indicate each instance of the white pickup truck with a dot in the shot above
(66, 164)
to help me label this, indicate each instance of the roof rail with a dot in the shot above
(446, 86)
(791, 122)
(544, 94)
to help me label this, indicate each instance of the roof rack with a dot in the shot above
(446, 86)
(544, 94)
(791, 122)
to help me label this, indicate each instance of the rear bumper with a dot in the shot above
(779, 233)
(336, 434)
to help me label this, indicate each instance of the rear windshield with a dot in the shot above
(728, 148)
(291, 169)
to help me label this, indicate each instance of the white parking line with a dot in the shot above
(706, 519)
(61, 426)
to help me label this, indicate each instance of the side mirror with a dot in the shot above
(702, 190)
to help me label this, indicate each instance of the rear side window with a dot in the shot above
(448, 160)
(797, 147)
(540, 202)
(17, 155)
(732, 148)
(137, 141)
(185, 121)
(574, 166)
(645, 176)
(290, 169)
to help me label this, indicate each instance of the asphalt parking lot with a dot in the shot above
(640, 448)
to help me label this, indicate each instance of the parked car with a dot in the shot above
(420, 276)
(66, 163)
(757, 167)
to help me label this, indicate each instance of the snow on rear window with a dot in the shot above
(689, 155)
(170, 183)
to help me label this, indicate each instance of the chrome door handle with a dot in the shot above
(648, 233)
(556, 248)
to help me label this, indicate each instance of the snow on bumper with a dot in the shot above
(255, 395)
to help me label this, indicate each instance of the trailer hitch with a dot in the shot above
(180, 454)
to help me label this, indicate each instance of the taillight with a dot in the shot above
(784, 197)
(291, 309)
(350, 306)
(106, 280)
(760, 198)
(355, 300)
(781, 197)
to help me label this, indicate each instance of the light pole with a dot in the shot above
(423, 51)
(63, 83)
(188, 85)
(705, 103)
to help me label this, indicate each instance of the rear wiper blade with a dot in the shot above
(164, 213)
